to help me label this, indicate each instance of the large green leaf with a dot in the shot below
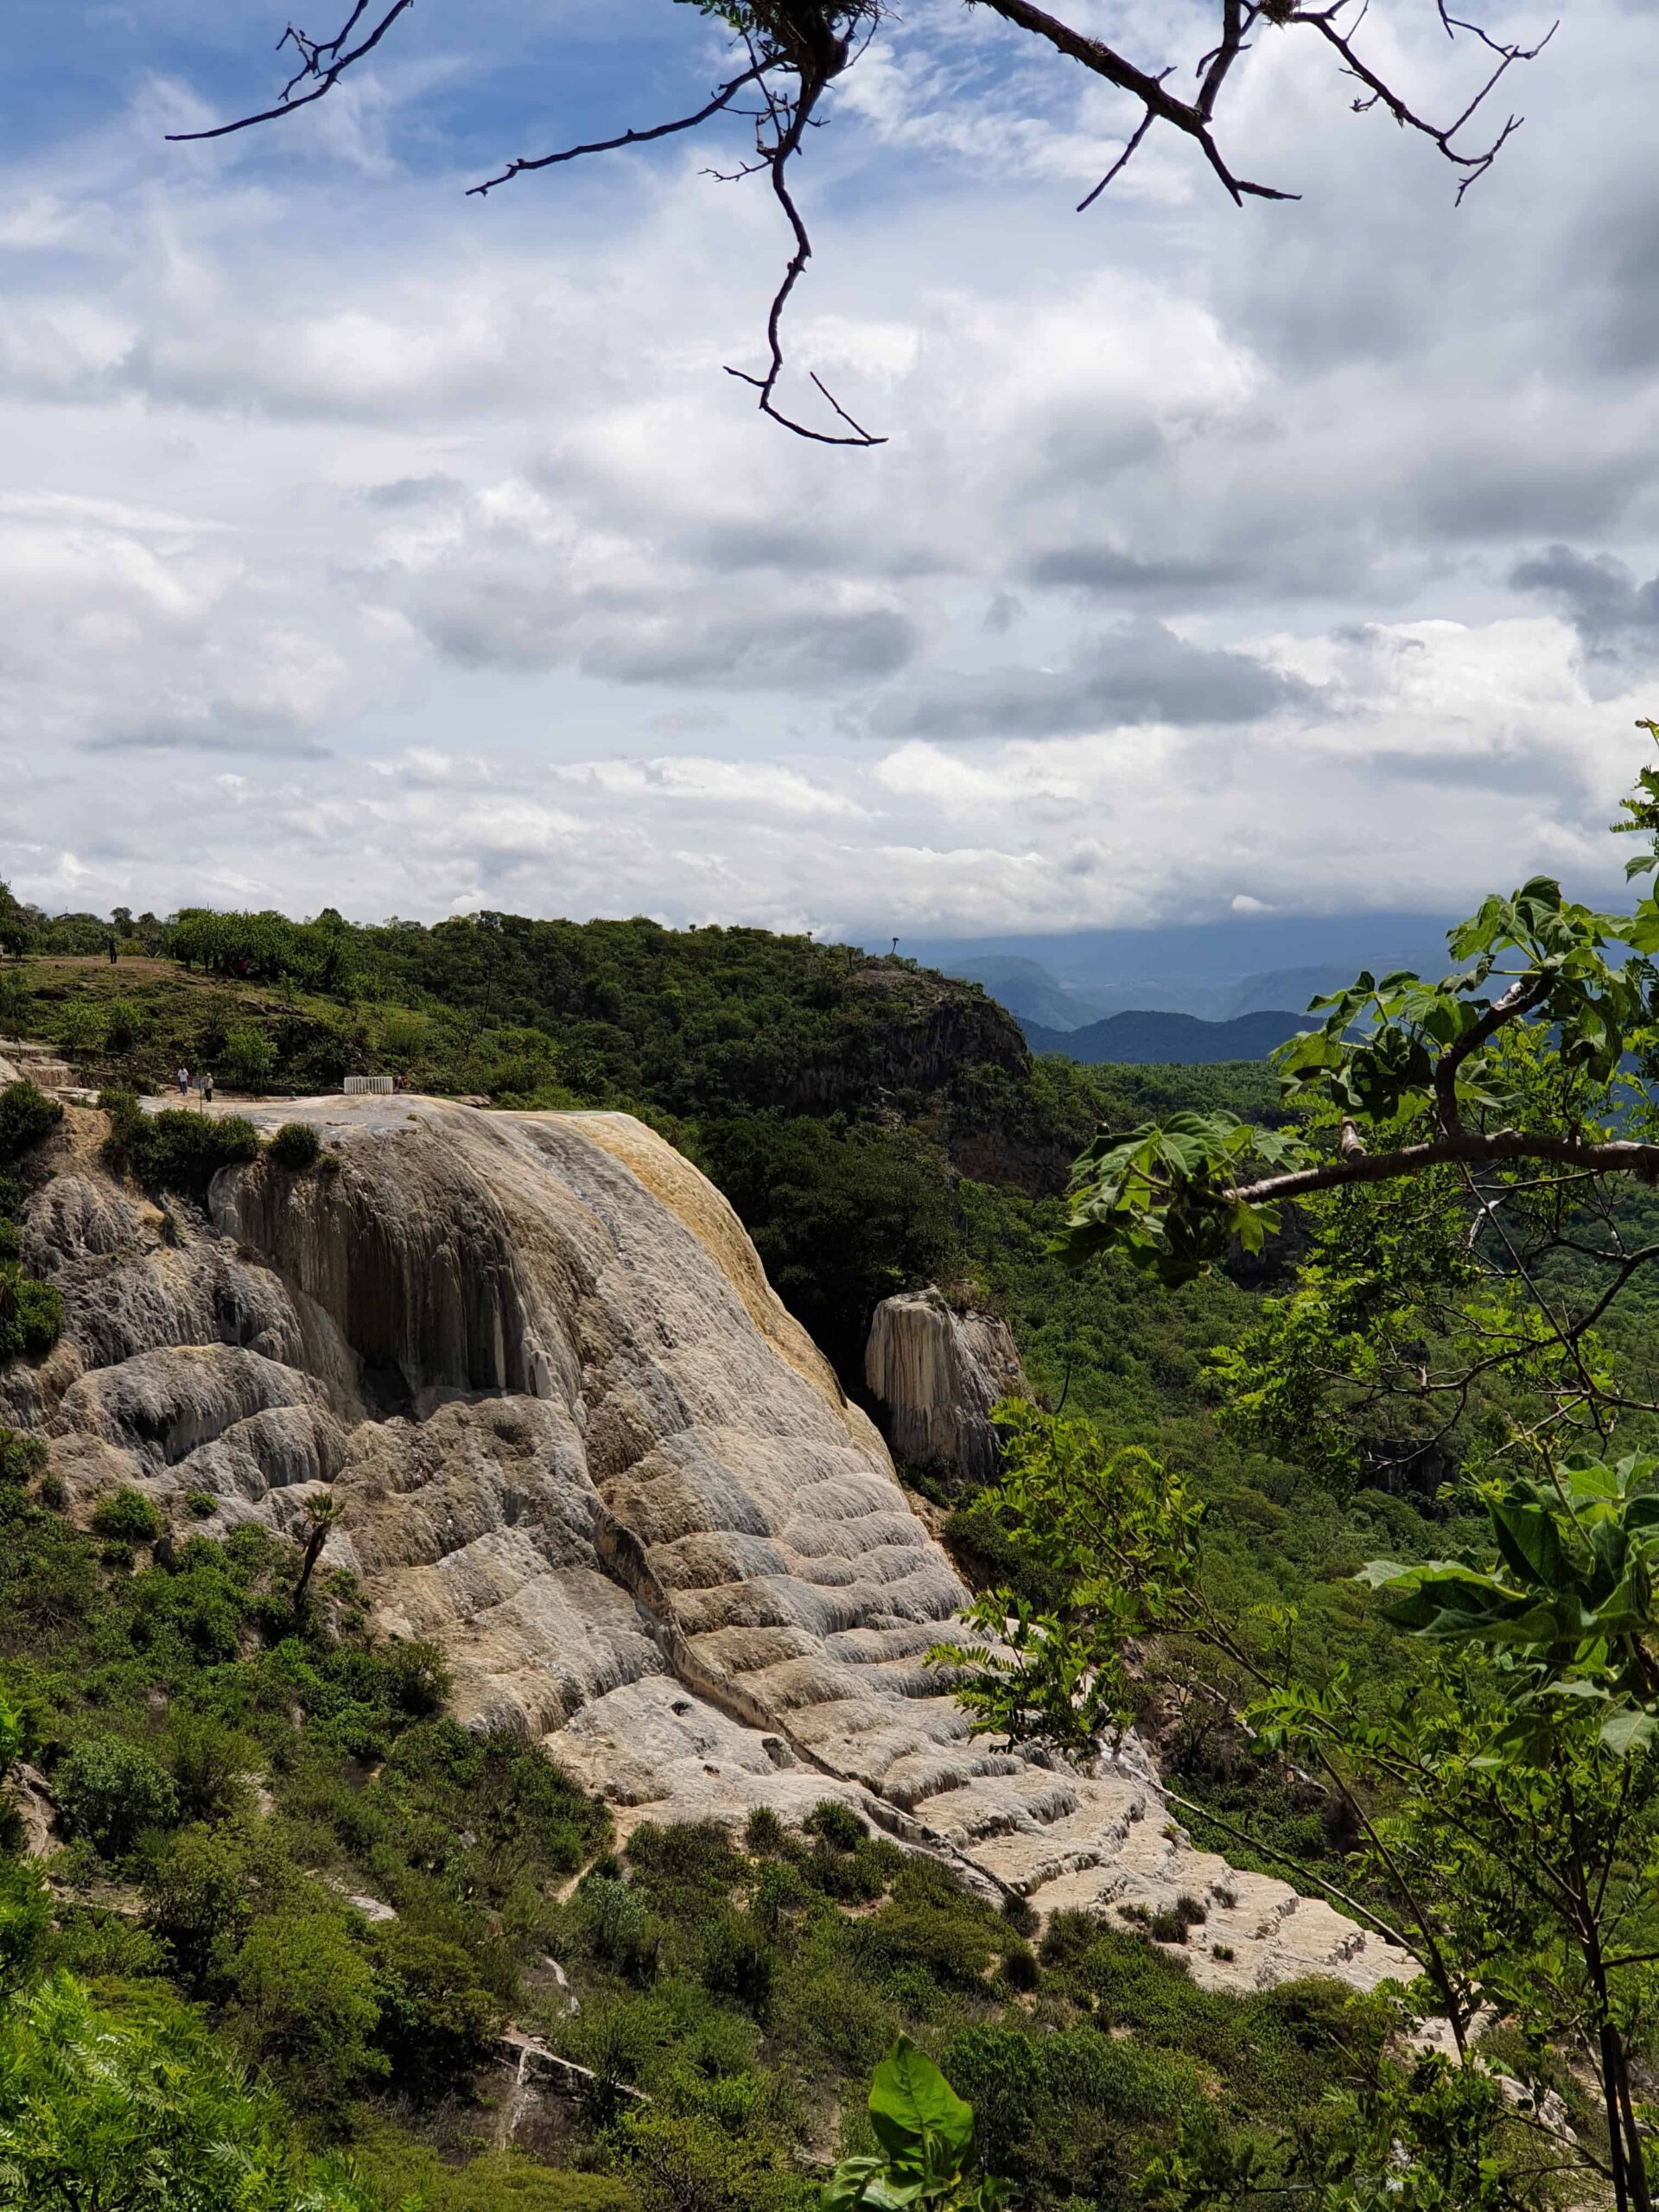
(1530, 1542)
(1629, 1730)
(848, 2186)
(910, 2100)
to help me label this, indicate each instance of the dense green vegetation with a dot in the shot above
(238, 1767)
(235, 1774)
(31, 1313)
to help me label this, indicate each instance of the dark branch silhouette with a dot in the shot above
(797, 48)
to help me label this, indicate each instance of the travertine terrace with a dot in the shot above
(574, 1437)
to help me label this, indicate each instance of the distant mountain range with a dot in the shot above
(1170, 1039)
(1214, 973)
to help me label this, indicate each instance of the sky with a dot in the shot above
(366, 544)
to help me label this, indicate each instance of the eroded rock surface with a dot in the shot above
(574, 1437)
(938, 1370)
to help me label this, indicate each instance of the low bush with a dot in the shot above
(176, 1149)
(438, 2020)
(31, 1313)
(22, 1457)
(296, 1146)
(127, 1515)
(111, 1791)
(303, 1996)
(123, 1026)
(839, 1825)
(26, 1115)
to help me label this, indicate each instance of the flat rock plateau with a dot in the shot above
(575, 1438)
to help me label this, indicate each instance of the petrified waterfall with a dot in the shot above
(937, 1371)
(573, 1436)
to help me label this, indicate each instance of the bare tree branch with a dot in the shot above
(721, 99)
(797, 48)
(1618, 1155)
(311, 52)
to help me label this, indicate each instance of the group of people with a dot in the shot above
(206, 1085)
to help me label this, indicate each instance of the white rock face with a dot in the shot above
(937, 1372)
(574, 1437)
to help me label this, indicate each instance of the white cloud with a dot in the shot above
(361, 546)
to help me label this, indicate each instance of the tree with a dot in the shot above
(321, 1515)
(788, 54)
(1476, 1155)
(1503, 1802)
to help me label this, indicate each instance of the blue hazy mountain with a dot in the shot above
(1141, 1036)
(1028, 990)
(1216, 971)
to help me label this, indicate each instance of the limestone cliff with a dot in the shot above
(937, 1372)
(573, 1436)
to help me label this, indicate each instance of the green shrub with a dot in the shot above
(176, 1149)
(200, 1887)
(738, 1961)
(1020, 1969)
(81, 1027)
(210, 1764)
(296, 1146)
(31, 1313)
(438, 2020)
(303, 1993)
(763, 1833)
(839, 1825)
(26, 1115)
(102, 1945)
(248, 1056)
(200, 1502)
(1020, 1915)
(22, 1457)
(620, 1930)
(25, 1916)
(682, 2162)
(409, 2173)
(111, 1791)
(128, 1515)
(123, 1024)
(952, 1947)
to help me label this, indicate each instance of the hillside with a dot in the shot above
(551, 1407)
(747, 1978)
(838, 1099)
(1178, 1039)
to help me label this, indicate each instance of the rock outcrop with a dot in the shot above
(574, 1437)
(937, 1371)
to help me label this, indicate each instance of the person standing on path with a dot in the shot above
(207, 1089)
(184, 1082)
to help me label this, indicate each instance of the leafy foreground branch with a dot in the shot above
(1501, 1797)
(1511, 1108)
(926, 2158)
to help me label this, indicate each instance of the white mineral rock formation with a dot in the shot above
(937, 1372)
(574, 1437)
